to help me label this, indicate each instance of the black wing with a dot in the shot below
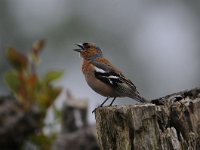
(117, 80)
(106, 74)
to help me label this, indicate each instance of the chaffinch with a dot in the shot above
(103, 77)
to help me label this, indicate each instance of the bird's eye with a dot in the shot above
(86, 45)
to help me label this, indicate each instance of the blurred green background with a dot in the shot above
(155, 43)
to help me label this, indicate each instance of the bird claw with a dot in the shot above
(94, 111)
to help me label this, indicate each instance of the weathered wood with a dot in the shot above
(171, 123)
(74, 136)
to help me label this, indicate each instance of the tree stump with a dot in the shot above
(168, 123)
(74, 136)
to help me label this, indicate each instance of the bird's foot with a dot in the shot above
(96, 109)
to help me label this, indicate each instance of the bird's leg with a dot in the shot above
(104, 102)
(112, 101)
(101, 104)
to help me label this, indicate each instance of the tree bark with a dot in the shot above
(168, 123)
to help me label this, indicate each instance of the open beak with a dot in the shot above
(79, 49)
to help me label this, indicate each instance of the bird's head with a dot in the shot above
(89, 51)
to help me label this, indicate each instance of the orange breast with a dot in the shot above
(96, 84)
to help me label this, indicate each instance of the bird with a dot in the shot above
(103, 77)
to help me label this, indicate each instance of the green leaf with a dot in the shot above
(52, 76)
(11, 79)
